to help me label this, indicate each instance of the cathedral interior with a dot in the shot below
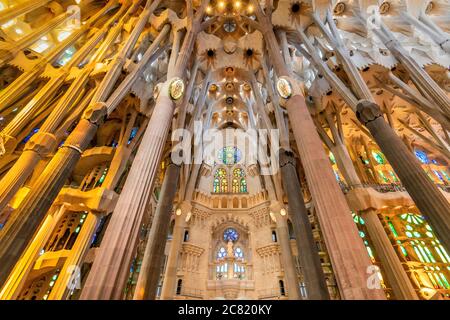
(128, 131)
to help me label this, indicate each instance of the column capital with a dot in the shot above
(286, 157)
(42, 143)
(185, 207)
(287, 87)
(96, 113)
(279, 211)
(7, 143)
(367, 111)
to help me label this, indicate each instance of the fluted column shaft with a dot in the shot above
(6, 55)
(397, 277)
(15, 89)
(111, 266)
(395, 273)
(427, 197)
(290, 272)
(20, 9)
(347, 252)
(24, 221)
(308, 254)
(154, 251)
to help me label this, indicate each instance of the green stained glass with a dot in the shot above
(239, 184)
(220, 182)
(332, 158)
(229, 155)
(383, 176)
(378, 156)
(393, 176)
(405, 253)
(444, 279)
(445, 175)
(391, 226)
(357, 219)
(412, 218)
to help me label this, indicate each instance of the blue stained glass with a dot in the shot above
(230, 234)
(35, 130)
(133, 134)
(422, 156)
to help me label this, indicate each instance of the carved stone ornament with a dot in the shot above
(284, 88)
(176, 89)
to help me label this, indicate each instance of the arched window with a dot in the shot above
(239, 184)
(238, 253)
(282, 291)
(179, 286)
(221, 253)
(220, 184)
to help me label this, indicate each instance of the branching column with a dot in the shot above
(24, 221)
(347, 252)
(430, 201)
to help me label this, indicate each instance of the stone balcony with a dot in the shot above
(230, 200)
(230, 288)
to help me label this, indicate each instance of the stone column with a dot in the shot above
(395, 273)
(308, 254)
(345, 164)
(20, 9)
(422, 190)
(156, 242)
(290, 272)
(170, 276)
(24, 221)
(347, 252)
(339, 230)
(111, 266)
(397, 277)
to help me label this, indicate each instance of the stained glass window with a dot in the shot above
(222, 253)
(422, 156)
(220, 183)
(381, 173)
(239, 184)
(360, 223)
(238, 253)
(332, 158)
(229, 155)
(438, 175)
(230, 234)
(422, 246)
(378, 156)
